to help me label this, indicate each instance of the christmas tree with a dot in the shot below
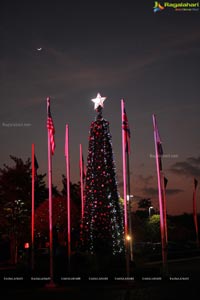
(102, 224)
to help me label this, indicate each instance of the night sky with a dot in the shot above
(120, 49)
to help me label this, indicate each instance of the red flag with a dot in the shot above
(195, 183)
(50, 127)
(165, 182)
(127, 132)
(159, 147)
(36, 166)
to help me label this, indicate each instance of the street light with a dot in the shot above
(129, 197)
(128, 237)
(150, 209)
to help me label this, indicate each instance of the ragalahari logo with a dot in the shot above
(157, 7)
(177, 6)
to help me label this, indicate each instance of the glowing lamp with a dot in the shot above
(128, 237)
(26, 245)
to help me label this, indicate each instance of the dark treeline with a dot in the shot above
(15, 214)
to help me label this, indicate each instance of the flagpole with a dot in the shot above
(129, 207)
(125, 194)
(81, 181)
(160, 194)
(51, 283)
(195, 211)
(33, 207)
(68, 193)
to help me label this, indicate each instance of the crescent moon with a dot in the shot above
(39, 49)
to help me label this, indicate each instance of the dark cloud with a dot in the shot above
(194, 160)
(189, 167)
(146, 180)
(171, 192)
(151, 192)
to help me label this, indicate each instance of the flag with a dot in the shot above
(159, 147)
(195, 183)
(50, 127)
(127, 132)
(36, 166)
(165, 182)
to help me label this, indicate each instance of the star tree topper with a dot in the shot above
(98, 101)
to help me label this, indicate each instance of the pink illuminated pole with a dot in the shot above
(81, 181)
(160, 195)
(33, 206)
(51, 283)
(68, 193)
(125, 189)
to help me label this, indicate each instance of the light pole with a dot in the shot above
(150, 209)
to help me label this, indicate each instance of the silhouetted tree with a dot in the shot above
(144, 203)
(59, 212)
(75, 193)
(15, 198)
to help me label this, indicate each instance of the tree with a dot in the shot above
(75, 197)
(59, 211)
(75, 193)
(153, 228)
(144, 203)
(15, 198)
(143, 208)
(102, 226)
(15, 183)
